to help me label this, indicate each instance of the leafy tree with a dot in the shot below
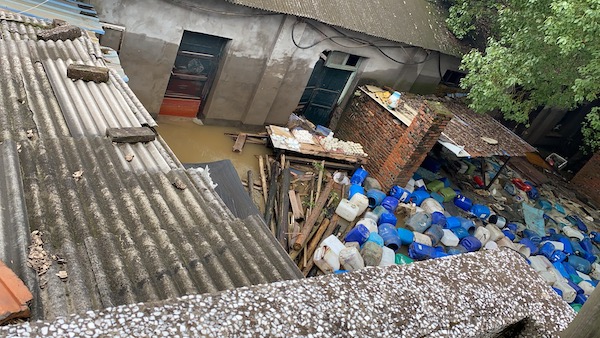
(537, 53)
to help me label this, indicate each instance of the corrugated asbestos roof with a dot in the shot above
(76, 13)
(414, 22)
(126, 232)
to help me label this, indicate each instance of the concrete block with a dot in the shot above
(67, 32)
(87, 73)
(130, 135)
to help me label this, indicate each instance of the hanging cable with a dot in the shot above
(33, 7)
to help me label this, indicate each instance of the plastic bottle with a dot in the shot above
(369, 223)
(463, 202)
(351, 259)
(438, 218)
(388, 257)
(375, 197)
(347, 210)
(361, 201)
(430, 205)
(359, 176)
(482, 234)
(419, 222)
(387, 217)
(452, 222)
(371, 254)
(480, 210)
(400, 193)
(449, 238)
(572, 232)
(393, 100)
(422, 239)
(355, 189)
(359, 234)
(580, 264)
(390, 236)
(406, 236)
(498, 221)
(587, 287)
(435, 232)
(460, 232)
(470, 243)
(390, 203)
(326, 260)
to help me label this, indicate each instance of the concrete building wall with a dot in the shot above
(262, 73)
(587, 179)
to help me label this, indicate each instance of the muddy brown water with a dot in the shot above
(193, 143)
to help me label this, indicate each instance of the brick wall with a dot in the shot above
(588, 178)
(395, 150)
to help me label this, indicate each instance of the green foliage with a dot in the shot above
(541, 52)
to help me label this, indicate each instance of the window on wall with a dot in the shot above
(452, 78)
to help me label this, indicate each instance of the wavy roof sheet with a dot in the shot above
(126, 232)
(414, 22)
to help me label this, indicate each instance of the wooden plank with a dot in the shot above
(239, 143)
(316, 240)
(314, 215)
(284, 206)
(263, 177)
(272, 194)
(320, 179)
(131, 134)
(250, 183)
(332, 165)
(296, 205)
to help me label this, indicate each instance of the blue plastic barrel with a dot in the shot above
(460, 232)
(375, 238)
(455, 250)
(387, 217)
(375, 197)
(560, 267)
(509, 234)
(359, 176)
(452, 222)
(533, 248)
(481, 211)
(400, 193)
(435, 232)
(406, 236)
(470, 243)
(359, 233)
(463, 202)
(533, 236)
(390, 203)
(420, 252)
(355, 188)
(580, 264)
(418, 196)
(390, 236)
(547, 249)
(467, 224)
(438, 218)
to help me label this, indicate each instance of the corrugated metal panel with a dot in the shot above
(56, 9)
(127, 234)
(414, 22)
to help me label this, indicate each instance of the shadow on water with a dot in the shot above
(194, 143)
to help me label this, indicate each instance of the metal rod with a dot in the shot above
(498, 173)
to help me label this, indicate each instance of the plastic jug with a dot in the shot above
(375, 238)
(351, 259)
(403, 259)
(449, 238)
(498, 221)
(533, 249)
(490, 245)
(393, 100)
(580, 264)
(435, 232)
(369, 223)
(460, 232)
(419, 222)
(387, 217)
(435, 185)
(355, 189)
(470, 243)
(595, 273)
(438, 218)
(533, 236)
(587, 287)
(509, 234)
(359, 234)
(371, 254)
(334, 243)
(572, 232)
(463, 202)
(422, 239)
(390, 203)
(418, 196)
(495, 232)
(388, 257)
(390, 236)
(371, 215)
(375, 197)
(455, 250)
(452, 222)
(326, 260)
(430, 205)
(467, 224)
(361, 201)
(400, 193)
(359, 176)
(420, 251)
(481, 211)
(406, 236)
(347, 210)
(379, 210)
(482, 234)
(523, 249)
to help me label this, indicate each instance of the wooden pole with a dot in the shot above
(263, 177)
(586, 323)
(284, 206)
(320, 179)
(272, 194)
(239, 143)
(296, 206)
(250, 184)
(314, 215)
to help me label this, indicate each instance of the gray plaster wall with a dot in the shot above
(262, 73)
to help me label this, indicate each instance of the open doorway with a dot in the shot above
(330, 79)
(192, 74)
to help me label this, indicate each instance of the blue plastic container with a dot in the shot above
(547, 249)
(435, 232)
(467, 224)
(437, 197)
(406, 236)
(375, 238)
(470, 243)
(533, 248)
(446, 181)
(355, 188)
(418, 196)
(577, 248)
(359, 176)
(359, 233)
(533, 236)
(463, 202)
(575, 287)
(580, 264)
(560, 267)
(481, 211)
(570, 270)
(575, 220)
(390, 236)
(452, 222)
(460, 232)
(438, 218)
(587, 245)
(387, 217)
(595, 236)
(580, 299)
(400, 193)
(509, 234)
(558, 291)
(558, 256)
(566, 243)
(533, 193)
(512, 226)
(375, 197)
(420, 252)
(390, 203)
(544, 204)
(455, 250)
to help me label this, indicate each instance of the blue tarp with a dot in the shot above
(534, 219)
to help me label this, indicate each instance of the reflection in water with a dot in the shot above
(193, 143)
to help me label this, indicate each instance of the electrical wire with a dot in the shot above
(33, 7)
(204, 9)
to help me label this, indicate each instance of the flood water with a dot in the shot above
(194, 143)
